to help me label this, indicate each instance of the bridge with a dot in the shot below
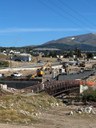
(56, 88)
(65, 83)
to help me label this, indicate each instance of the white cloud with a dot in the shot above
(22, 30)
(30, 30)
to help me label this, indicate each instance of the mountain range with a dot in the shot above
(84, 42)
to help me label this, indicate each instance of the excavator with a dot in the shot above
(41, 71)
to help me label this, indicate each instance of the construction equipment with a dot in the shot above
(41, 71)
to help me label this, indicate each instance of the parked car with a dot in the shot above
(16, 74)
(1, 75)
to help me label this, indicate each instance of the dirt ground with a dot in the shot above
(57, 118)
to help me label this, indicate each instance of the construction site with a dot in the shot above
(41, 95)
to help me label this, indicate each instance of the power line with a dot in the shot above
(52, 9)
(59, 11)
(84, 20)
(79, 23)
(45, 3)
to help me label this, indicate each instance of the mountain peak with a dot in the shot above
(80, 41)
(89, 38)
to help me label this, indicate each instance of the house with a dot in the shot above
(14, 52)
(22, 57)
(11, 52)
(94, 57)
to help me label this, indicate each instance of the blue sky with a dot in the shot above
(33, 22)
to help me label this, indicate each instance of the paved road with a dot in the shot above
(74, 76)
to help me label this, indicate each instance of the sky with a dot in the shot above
(34, 22)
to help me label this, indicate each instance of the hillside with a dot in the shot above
(24, 108)
(83, 42)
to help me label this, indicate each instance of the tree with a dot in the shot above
(89, 55)
(77, 52)
(70, 54)
(52, 53)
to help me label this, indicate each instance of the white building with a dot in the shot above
(22, 57)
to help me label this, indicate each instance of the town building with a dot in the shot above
(22, 57)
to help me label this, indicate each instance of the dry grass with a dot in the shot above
(24, 109)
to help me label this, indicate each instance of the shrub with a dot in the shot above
(4, 64)
(89, 95)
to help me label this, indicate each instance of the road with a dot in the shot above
(34, 66)
(82, 75)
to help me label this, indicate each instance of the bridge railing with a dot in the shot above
(56, 87)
